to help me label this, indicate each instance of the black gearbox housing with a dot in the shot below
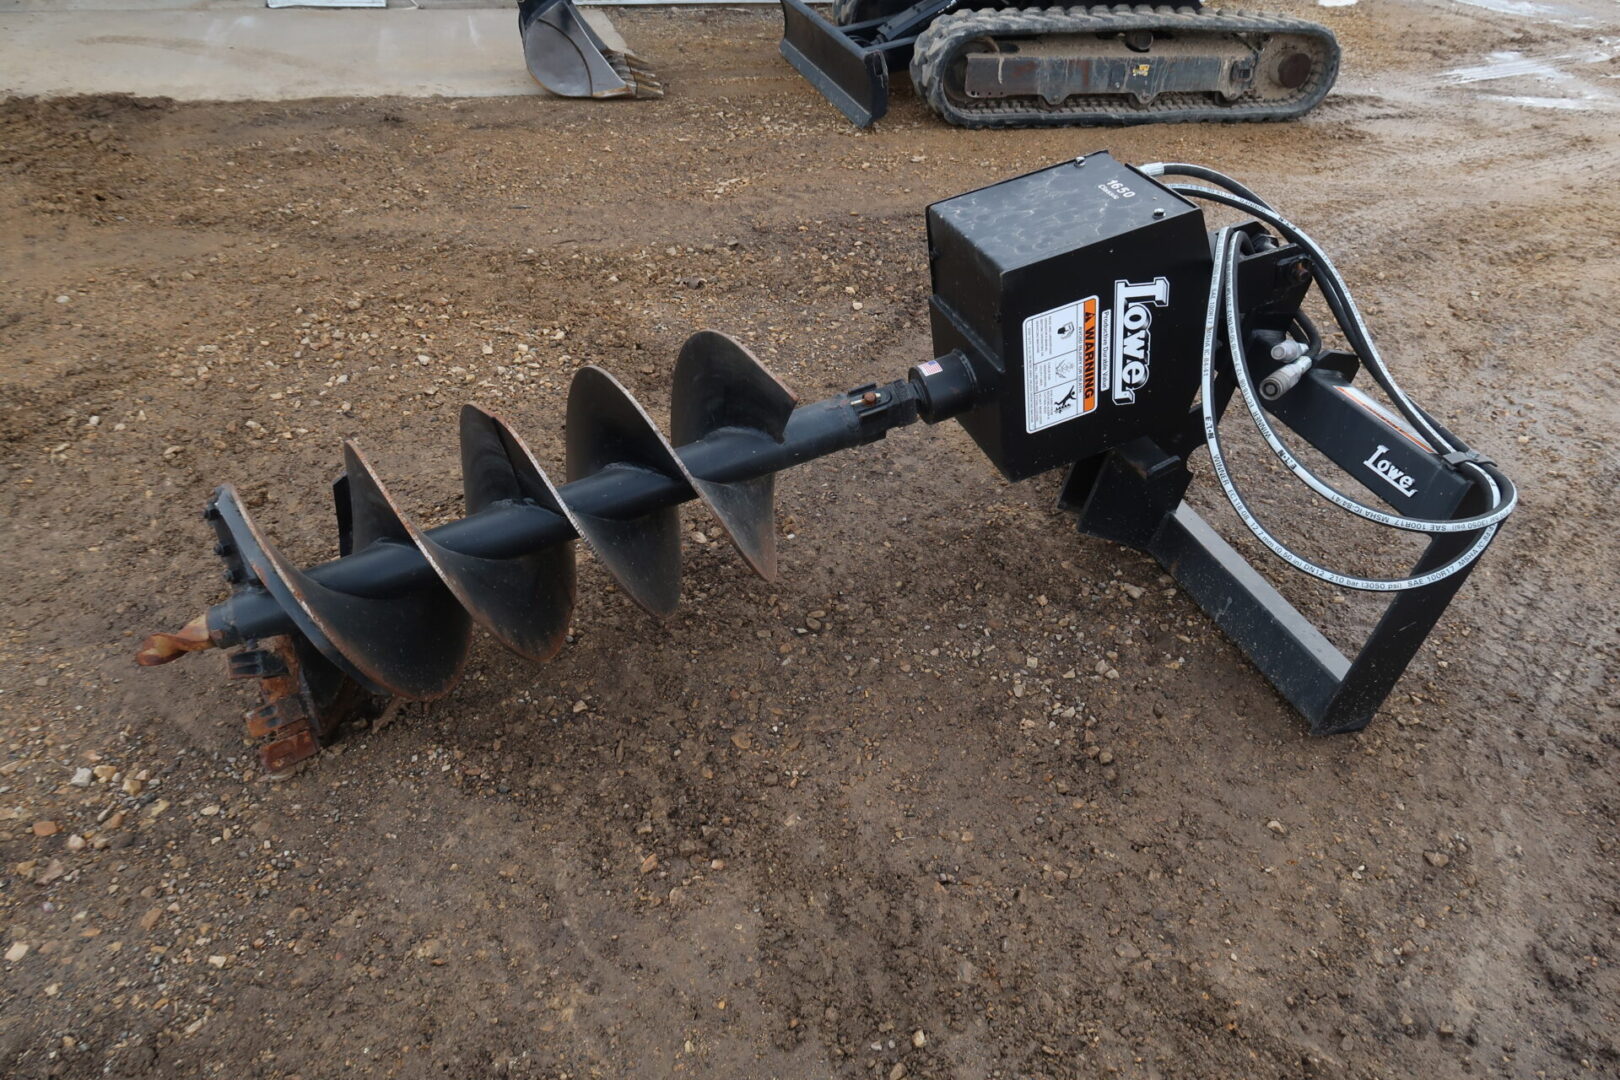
(1077, 296)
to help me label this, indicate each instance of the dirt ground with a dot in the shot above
(949, 799)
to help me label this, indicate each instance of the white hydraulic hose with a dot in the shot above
(1223, 296)
(1334, 287)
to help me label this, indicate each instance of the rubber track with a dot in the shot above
(948, 35)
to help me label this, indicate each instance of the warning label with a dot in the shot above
(1060, 364)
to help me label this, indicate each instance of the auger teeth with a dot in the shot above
(257, 664)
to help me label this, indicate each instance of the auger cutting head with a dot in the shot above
(1080, 318)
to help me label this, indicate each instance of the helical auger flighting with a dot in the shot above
(394, 614)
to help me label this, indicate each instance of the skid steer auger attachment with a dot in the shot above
(1082, 317)
(567, 57)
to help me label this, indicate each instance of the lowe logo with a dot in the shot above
(1133, 343)
(1400, 481)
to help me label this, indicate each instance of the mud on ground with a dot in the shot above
(963, 794)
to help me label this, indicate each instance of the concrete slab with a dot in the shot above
(327, 3)
(47, 6)
(231, 54)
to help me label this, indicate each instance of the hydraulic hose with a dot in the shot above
(1223, 299)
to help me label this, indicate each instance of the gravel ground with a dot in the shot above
(963, 794)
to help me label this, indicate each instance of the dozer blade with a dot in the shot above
(566, 56)
(849, 74)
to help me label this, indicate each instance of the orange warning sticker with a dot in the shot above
(1088, 354)
(1060, 364)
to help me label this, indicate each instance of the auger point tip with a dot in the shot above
(161, 648)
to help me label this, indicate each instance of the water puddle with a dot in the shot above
(1568, 104)
(1575, 92)
(1529, 9)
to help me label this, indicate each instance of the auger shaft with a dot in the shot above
(509, 530)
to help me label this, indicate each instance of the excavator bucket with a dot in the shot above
(567, 57)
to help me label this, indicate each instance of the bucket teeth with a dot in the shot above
(412, 644)
(642, 81)
(570, 59)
